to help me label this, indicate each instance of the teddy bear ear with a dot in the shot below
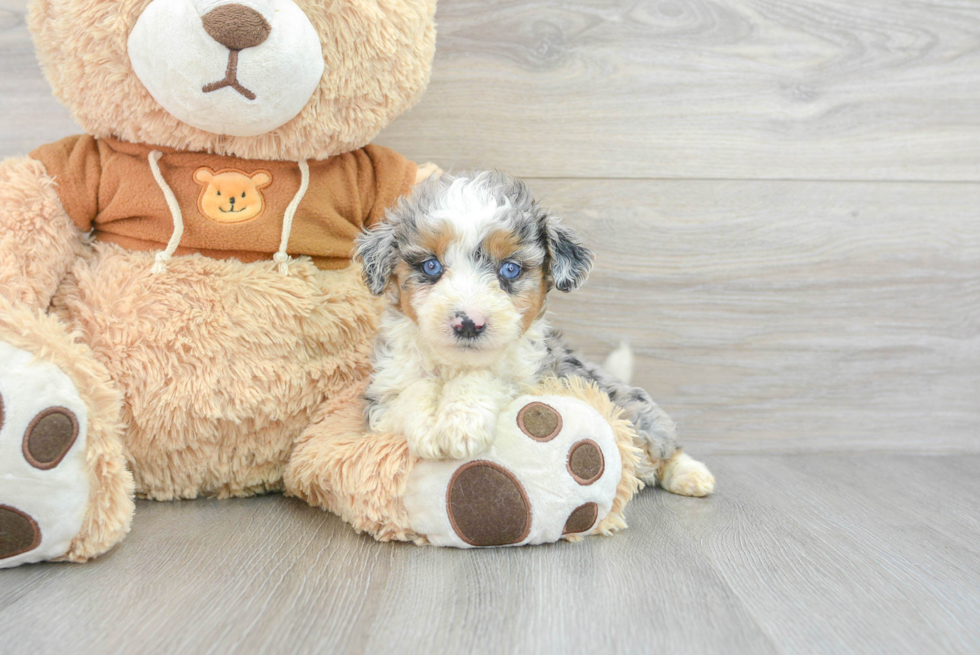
(261, 179)
(203, 175)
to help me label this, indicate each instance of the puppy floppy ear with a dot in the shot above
(377, 250)
(569, 260)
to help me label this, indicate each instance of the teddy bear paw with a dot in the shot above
(43, 478)
(552, 471)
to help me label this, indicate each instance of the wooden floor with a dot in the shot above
(795, 554)
(785, 199)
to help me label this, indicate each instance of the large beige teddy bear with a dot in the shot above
(179, 315)
(176, 295)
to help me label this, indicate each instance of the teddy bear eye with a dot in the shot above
(219, 193)
(243, 194)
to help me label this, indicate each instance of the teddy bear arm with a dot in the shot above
(38, 240)
(337, 465)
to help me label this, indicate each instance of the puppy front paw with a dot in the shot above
(458, 433)
(466, 431)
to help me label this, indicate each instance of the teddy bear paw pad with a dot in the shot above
(43, 479)
(552, 472)
(487, 505)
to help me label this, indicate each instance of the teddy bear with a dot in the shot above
(179, 313)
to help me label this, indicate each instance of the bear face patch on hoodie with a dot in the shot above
(231, 208)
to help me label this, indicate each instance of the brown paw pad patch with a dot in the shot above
(585, 461)
(49, 437)
(18, 532)
(487, 505)
(581, 519)
(539, 421)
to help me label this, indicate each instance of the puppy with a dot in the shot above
(467, 262)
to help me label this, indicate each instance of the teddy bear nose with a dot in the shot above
(236, 26)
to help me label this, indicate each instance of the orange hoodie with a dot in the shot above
(231, 208)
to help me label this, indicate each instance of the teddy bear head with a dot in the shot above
(260, 79)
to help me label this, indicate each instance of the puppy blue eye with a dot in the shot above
(510, 270)
(431, 267)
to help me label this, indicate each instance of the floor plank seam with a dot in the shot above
(770, 638)
(807, 180)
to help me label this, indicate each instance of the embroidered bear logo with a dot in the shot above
(231, 196)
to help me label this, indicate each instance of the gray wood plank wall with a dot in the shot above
(785, 197)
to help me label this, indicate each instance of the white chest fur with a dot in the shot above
(404, 363)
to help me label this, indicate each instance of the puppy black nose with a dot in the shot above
(236, 27)
(465, 328)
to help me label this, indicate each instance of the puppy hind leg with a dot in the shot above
(663, 462)
(683, 475)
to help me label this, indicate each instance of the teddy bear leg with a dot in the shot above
(65, 493)
(337, 466)
(561, 467)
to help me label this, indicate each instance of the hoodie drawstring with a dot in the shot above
(164, 256)
(281, 257)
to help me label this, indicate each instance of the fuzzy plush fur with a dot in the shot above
(38, 241)
(359, 477)
(222, 364)
(378, 54)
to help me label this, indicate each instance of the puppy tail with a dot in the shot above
(619, 363)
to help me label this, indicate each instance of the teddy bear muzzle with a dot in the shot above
(238, 68)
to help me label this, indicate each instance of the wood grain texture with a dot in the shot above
(787, 316)
(29, 114)
(776, 89)
(805, 553)
(826, 553)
